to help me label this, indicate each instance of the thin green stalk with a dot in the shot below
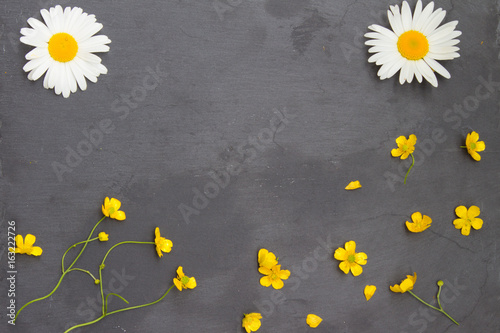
(64, 271)
(72, 246)
(81, 270)
(433, 307)
(411, 166)
(120, 310)
(101, 267)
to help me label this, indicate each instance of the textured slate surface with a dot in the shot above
(280, 93)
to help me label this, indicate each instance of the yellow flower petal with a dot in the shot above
(412, 140)
(29, 240)
(265, 270)
(266, 281)
(277, 284)
(340, 254)
(344, 267)
(461, 211)
(396, 152)
(350, 247)
(353, 185)
(19, 241)
(266, 258)
(178, 284)
(369, 291)
(472, 212)
(284, 274)
(477, 223)
(396, 288)
(480, 146)
(313, 320)
(36, 251)
(251, 322)
(466, 230)
(356, 269)
(360, 258)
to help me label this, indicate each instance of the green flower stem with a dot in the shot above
(82, 270)
(463, 146)
(120, 310)
(72, 246)
(440, 309)
(64, 271)
(101, 267)
(411, 166)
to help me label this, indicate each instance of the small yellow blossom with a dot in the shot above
(26, 246)
(420, 223)
(467, 218)
(103, 237)
(251, 322)
(111, 209)
(405, 146)
(369, 291)
(162, 244)
(313, 320)
(353, 185)
(184, 282)
(350, 260)
(406, 284)
(266, 259)
(473, 146)
(274, 276)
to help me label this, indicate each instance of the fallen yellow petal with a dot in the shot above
(313, 320)
(369, 291)
(353, 185)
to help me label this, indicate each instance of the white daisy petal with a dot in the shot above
(79, 77)
(443, 56)
(396, 67)
(443, 49)
(435, 20)
(406, 16)
(443, 30)
(424, 16)
(437, 67)
(384, 31)
(414, 67)
(71, 61)
(395, 20)
(416, 16)
(451, 36)
(426, 72)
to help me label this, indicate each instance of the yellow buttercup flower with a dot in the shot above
(353, 185)
(103, 237)
(251, 322)
(184, 282)
(266, 259)
(405, 146)
(274, 276)
(405, 285)
(473, 146)
(467, 219)
(111, 209)
(26, 246)
(313, 320)
(350, 260)
(369, 291)
(420, 223)
(162, 244)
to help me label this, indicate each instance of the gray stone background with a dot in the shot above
(280, 93)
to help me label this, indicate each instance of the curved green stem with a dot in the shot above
(440, 309)
(437, 296)
(120, 310)
(64, 271)
(411, 166)
(123, 299)
(41, 298)
(101, 267)
(72, 246)
(81, 270)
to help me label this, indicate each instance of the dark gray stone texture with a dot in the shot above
(280, 93)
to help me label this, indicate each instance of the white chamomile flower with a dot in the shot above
(63, 49)
(414, 44)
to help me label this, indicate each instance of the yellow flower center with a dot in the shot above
(63, 47)
(413, 45)
(472, 145)
(184, 280)
(405, 147)
(351, 258)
